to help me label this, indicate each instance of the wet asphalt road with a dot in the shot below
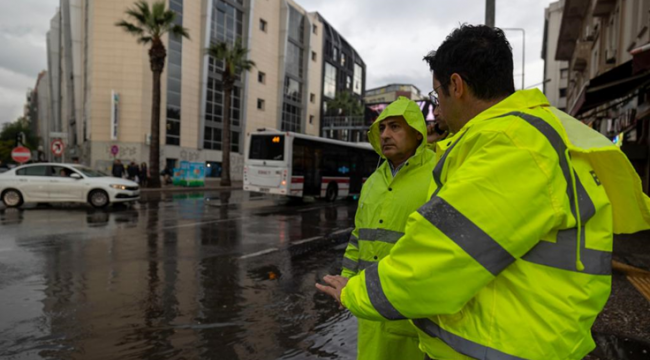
(225, 275)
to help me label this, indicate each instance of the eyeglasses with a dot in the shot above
(433, 96)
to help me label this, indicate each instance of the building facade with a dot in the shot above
(556, 73)
(606, 43)
(390, 93)
(101, 84)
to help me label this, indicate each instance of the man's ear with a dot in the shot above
(457, 86)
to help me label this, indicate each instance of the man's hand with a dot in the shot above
(433, 136)
(334, 287)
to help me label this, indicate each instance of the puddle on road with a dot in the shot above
(613, 347)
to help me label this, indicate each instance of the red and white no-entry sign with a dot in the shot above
(21, 154)
(57, 147)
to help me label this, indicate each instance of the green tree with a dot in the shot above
(8, 138)
(344, 104)
(150, 24)
(235, 62)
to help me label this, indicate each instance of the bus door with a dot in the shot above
(313, 158)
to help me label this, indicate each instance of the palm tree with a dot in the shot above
(344, 104)
(151, 23)
(235, 62)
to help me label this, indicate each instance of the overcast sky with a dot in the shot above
(391, 36)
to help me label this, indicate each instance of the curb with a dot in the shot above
(173, 189)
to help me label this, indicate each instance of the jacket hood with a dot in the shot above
(407, 109)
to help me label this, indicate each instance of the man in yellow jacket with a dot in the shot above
(398, 187)
(511, 257)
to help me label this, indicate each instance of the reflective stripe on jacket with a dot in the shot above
(511, 257)
(384, 206)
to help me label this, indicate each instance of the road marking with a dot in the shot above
(263, 252)
(299, 242)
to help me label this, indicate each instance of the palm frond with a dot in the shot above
(130, 28)
(137, 15)
(145, 40)
(180, 31)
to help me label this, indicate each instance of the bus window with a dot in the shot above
(267, 147)
(298, 160)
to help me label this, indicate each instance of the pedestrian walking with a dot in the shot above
(118, 169)
(144, 175)
(511, 256)
(133, 171)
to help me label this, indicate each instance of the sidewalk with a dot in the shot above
(210, 185)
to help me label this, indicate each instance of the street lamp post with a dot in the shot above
(523, 54)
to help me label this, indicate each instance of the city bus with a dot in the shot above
(299, 165)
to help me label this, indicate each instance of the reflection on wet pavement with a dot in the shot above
(165, 279)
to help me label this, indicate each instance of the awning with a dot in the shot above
(614, 84)
(641, 59)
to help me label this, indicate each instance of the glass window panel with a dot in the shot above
(174, 85)
(173, 99)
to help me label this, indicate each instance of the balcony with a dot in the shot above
(604, 7)
(581, 56)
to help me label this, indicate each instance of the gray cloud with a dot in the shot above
(24, 25)
(393, 36)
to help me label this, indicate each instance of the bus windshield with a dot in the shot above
(267, 147)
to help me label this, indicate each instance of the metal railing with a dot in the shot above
(344, 122)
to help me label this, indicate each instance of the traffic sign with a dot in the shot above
(57, 147)
(21, 154)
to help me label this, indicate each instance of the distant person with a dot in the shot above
(167, 175)
(144, 175)
(118, 169)
(133, 171)
(75, 160)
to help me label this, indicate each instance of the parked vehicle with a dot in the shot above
(57, 183)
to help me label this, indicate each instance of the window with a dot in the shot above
(564, 73)
(261, 77)
(335, 54)
(358, 79)
(33, 171)
(312, 97)
(348, 82)
(267, 147)
(311, 119)
(260, 104)
(329, 89)
(314, 29)
(313, 56)
(263, 25)
(343, 59)
(563, 92)
(174, 80)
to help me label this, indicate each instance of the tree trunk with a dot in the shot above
(225, 135)
(157, 55)
(154, 147)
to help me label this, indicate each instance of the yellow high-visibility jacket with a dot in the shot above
(384, 206)
(511, 257)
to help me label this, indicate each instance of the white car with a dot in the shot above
(50, 183)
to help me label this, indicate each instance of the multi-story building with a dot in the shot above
(606, 43)
(390, 93)
(101, 82)
(556, 73)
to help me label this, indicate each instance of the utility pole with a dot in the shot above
(523, 54)
(489, 12)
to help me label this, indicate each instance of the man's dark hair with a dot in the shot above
(481, 55)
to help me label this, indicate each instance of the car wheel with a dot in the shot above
(332, 192)
(12, 198)
(98, 199)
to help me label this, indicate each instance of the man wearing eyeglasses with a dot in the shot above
(511, 257)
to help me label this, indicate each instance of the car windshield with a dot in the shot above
(89, 172)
